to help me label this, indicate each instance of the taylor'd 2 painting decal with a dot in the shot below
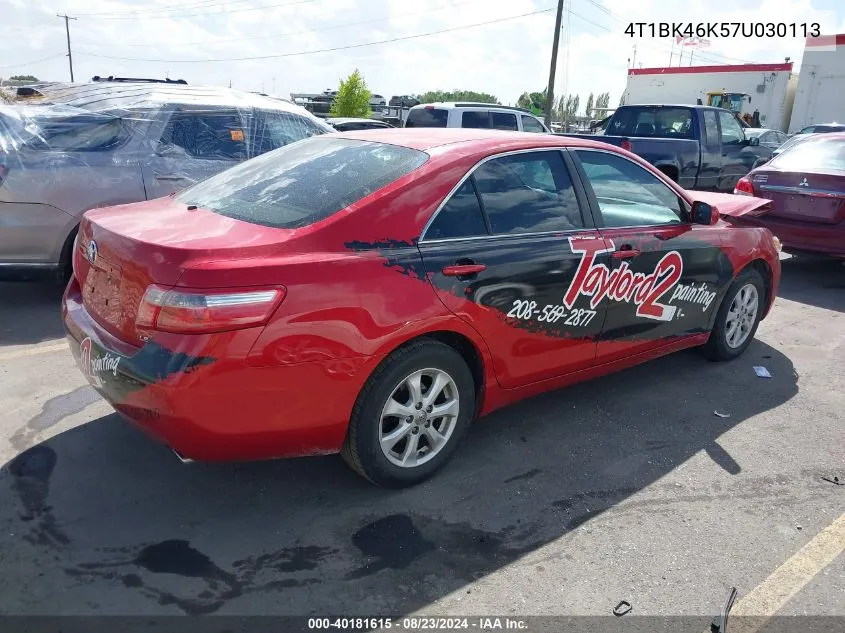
(655, 295)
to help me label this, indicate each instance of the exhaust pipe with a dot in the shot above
(182, 458)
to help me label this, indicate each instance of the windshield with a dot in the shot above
(651, 121)
(822, 153)
(303, 182)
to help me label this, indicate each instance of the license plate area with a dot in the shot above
(101, 292)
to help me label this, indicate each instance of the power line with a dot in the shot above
(321, 29)
(203, 4)
(322, 50)
(34, 61)
(202, 14)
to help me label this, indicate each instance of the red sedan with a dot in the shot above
(806, 183)
(373, 292)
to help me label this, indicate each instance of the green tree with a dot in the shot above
(23, 78)
(534, 101)
(456, 95)
(588, 111)
(353, 98)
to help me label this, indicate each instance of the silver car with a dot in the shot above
(105, 143)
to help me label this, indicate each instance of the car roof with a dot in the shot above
(98, 96)
(424, 139)
(469, 104)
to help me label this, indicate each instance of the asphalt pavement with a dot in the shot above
(663, 485)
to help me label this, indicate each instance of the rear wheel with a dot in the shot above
(65, 269)
(738, 317)
(411, 415)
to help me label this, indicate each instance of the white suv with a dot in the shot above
(474, 115)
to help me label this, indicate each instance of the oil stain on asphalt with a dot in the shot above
(31, 472)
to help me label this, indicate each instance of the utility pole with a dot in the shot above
(67, 30)
(550, 91)
(634, 63)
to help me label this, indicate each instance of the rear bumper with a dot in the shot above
(199, 397)
(803, 237)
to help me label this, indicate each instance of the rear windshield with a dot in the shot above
(80, 133)
(657, 122)
(427, 117)
(814, 154)
(303, 182)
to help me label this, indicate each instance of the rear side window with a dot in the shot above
(818, 153)
(210, 134)
(461, 216)
(475, 120)
(78, 134)
(648, 121)
(504, 121)
(427, 117)
(528, 193)
(303, 183)
(530, 124)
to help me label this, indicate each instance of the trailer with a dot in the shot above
(768, 89)
(820, 97)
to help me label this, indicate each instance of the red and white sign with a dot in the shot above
(598, 282)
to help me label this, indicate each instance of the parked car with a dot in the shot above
(101, 144)
(474, 115)
(771, 139)
(790, 142)
(378, 103)
(698, 147)
(806, 183)
(404, 101)
(821, 128)
(345, 124)
(345, 294)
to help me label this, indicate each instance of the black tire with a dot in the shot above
(362, 449)
(717, 348)
(65, 270)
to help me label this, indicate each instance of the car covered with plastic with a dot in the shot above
(75, 147)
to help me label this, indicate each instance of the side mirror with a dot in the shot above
(754, 141)
(703, 213)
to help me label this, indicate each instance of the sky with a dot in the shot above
(501, 47)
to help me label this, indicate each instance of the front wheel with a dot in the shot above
(411, 415)
(738, 317)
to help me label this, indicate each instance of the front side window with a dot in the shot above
(210, 134)
(627, 194)
(303, 182)
(528, 193)
(473, 119)
(272, 130)
(732, 133)
(461, 216)
(530, 124)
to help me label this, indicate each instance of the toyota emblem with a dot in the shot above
(92, 251)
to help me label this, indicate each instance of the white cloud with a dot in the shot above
(503, 58)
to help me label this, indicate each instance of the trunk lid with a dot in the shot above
(121, 250)
(732, 205)
(803, 196)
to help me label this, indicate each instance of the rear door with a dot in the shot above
(196, 142)
(666, 273)
(502, 251)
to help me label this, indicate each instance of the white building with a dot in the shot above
(770, 87)
(820, 97)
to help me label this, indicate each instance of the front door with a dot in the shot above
(195, 144)
(667, 274)
(737, 157)
(502, 253)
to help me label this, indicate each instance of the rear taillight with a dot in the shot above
(625, 144)
(744, 187)
(195, 312)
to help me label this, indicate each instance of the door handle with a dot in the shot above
(625, 252)
(463, 270)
